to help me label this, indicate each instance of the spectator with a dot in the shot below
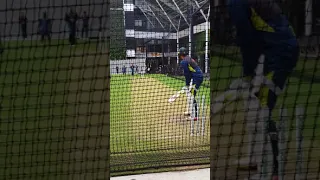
(85, 25)
(71, 19)
(117, 68)
(23, 25)
(44, 27)
(124, 70)
(132, 69)
(137, 69)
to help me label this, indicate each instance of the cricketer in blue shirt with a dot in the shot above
(263, 29)
(192, 71)
(45, 27)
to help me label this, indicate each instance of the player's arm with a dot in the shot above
(186, 72)
(246, 35)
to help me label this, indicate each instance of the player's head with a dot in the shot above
(182, 52)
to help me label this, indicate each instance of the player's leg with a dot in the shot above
(192, 103)
(42, 37)
(195, 91)
(240, 14)
(49, 36)
(87, 31)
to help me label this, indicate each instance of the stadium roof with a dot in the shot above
(173, 14)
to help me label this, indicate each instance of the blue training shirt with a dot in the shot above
(261, 28)
(44, 25)
(191, 70)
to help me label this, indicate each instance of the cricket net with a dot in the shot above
(53, 91)
(296, 113)
(148, 133)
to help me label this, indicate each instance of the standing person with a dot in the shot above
(44, 27)
(85, 25)
(71, 19)
(23, 24)
(117, 69)
(137, 69)
(132, 69)
(263, 31)
(124, 70)
(192, 72)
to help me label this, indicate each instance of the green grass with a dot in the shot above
(298, 92)
(51, 110)
(177, 84)
(305, 66)
(141, 144)
(120, 97)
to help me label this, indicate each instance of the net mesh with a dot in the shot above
(53, 96)
(146, 130)
(296, 113)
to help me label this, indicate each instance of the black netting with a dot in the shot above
(53, 95)
(147, 131)
(238, 125)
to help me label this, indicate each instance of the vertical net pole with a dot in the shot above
(106, 42)
(190, 29)
(308, 17)
(299, 139)
(177, 48)
(206, 48)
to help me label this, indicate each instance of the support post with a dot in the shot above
(206, 59)
(177, 47)
(308, 16)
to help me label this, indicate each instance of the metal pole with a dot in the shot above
(308, 16)
(206, 59)
(191, 32)
(162, 48)
(177, 47)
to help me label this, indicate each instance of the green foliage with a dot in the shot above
(117, 41)
(200, 42)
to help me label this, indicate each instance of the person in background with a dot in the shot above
(124, 70)
(85, 25)
(137, 69)
(117, 69)
(44, 27)
(132, 69)
(23, 25)
(71, 19)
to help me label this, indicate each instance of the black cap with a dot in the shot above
(183, 51)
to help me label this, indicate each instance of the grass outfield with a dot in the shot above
(298, 92)
(52, 116)
(230, 132)
(149, 132)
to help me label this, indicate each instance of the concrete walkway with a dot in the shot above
(200, 174)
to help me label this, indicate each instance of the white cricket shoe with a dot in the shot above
(187, 113)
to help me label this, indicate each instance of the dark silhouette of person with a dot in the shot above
(23, 25)
(85, 25)
(71, 18)
(45, 27)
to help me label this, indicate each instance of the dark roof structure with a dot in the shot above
(173, 15)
